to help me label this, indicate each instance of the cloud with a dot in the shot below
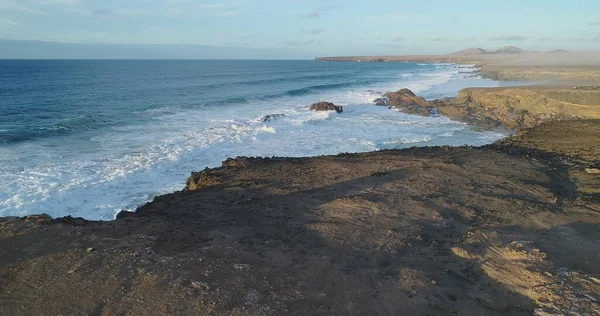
(594, 23)
(246, 40)
(7, 24)
(302, 43)
(591, 38)
(391, 45)
(172, 9)
(313, 31)
(510, 38)
(397, 39)
(584, 38)
(439, 39)
(10, 5)
(59, 2)
(100, 13)
(134, 12)
(392, 19)
(315, 14)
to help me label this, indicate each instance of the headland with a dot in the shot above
(512, 228)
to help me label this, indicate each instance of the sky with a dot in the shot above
(295, 28)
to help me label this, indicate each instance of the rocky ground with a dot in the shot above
(508, 229)
(509, 107)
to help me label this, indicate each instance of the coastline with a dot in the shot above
(153, 163)
(553, 68)
(349, 232)
(510, 108)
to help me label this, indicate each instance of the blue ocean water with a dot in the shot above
(91, 138)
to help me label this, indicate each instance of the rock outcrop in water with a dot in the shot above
(407, 102)
(381, 101)
(326, 106)
(271, 117)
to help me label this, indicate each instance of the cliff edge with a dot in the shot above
(507, 229)
(511, 107)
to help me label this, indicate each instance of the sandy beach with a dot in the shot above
(512, 228)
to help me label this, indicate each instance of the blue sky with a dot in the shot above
(310, 27)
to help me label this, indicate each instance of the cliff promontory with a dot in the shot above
(512, 107)
(508, 229)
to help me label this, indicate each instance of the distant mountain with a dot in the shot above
(507, 50)
(470, 51)
(481, 51)
(558, 51)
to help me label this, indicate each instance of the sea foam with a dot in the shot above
(127, 165)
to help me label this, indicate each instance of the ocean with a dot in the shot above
(91, 138)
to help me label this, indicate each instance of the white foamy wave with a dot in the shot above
(112, 181)
(125, 167)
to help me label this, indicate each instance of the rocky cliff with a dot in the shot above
(506, 229)
(512, 108)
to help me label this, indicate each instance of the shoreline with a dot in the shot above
(507, 228)
(511, 108)
(497, 229)
(135, 196)
(556, 68)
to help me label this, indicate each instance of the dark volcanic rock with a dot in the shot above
(271, 117)
(200, 180)
(381, 101)
(414, 230)
(408, 102)
(125, 214)
(404, 97)
(326, 106)
(70, 220)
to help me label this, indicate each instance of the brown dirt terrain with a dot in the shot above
(508, 107)
(508, 229)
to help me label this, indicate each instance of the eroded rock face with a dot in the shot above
(200, 180)
(326, 106)
(405, 97)
(408, 102)
(511, 108)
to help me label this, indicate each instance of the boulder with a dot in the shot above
(407, 102)
(271, 117)
(381, 101)
(405, 97)
(326, 106)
